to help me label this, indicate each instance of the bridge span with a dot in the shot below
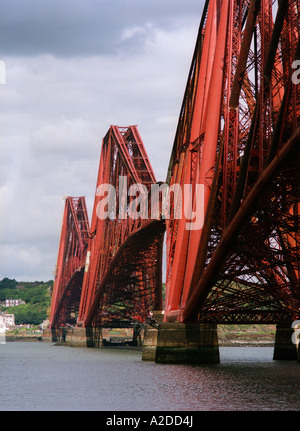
(229, 209)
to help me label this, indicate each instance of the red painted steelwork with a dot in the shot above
(238, 137)
(122, 279)
(70, 263)
(240, 114)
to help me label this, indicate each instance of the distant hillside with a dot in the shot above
(36, 296)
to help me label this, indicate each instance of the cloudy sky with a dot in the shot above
(73, 68)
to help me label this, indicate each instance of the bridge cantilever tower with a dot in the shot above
(111, 274)
(237, 143)
(123, 279)
(70, 263)
(238, 136)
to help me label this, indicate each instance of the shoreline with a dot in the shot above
(228, 343)
(228, 336)
(25, 338)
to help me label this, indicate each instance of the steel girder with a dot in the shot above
(238, 136)
(70, 263)
(122, 279)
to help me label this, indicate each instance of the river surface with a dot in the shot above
(41, 376)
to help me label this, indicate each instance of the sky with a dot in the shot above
(72, 69)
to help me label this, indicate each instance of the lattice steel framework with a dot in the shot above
(70, 263)
(122, 279)
(238, 135)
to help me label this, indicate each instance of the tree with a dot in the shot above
(8, 283)
(36, 296)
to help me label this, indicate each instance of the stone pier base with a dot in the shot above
(176, 343)
(74, 337)
(47, 335)
(285, 348)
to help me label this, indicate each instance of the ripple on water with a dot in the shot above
(42, 376)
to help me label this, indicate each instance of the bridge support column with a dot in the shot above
(284, 348)
(54, 335)
(47, 335)
(75, 337)
(79, 337)
(179, 343)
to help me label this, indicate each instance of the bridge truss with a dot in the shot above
(123, 279)
(111, 274)
(238, 139)
(70, 263)
(238, 136)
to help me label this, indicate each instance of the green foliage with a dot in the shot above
(9, 294)
(36, 296)
(7, 283)
(28, 314)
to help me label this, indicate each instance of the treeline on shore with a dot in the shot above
(35, 295)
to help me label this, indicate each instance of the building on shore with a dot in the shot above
(9, 302)
(6, 321)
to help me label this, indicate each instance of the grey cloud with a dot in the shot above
(84, 27)
(62, 94)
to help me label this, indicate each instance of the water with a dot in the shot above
(37, 376)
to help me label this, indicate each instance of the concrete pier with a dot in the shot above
(47, 335)
(74, 337)
(285, 348)
(176, 343)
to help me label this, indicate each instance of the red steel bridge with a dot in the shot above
(238, 142)
(115, 277)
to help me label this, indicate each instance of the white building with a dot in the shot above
(12, 302)
(6, 320)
